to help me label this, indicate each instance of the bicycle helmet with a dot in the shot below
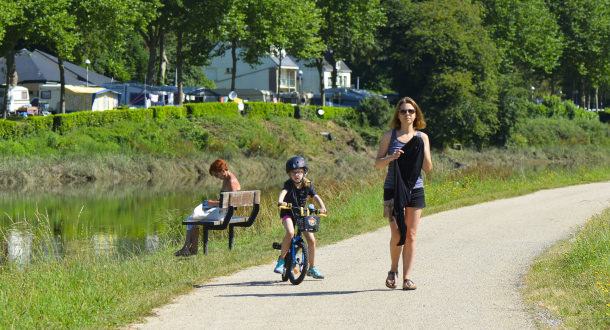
(296, 162)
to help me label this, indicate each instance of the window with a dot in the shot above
(229, 70)
(45, 95)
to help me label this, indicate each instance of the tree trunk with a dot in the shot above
(333, 63)
(11, 78)
(597, 98)
(320, 67)
(234, 59)
(152, 41)
(162, 60)
(62, 83)
(583, 95)
(279, 76)
(179, 66)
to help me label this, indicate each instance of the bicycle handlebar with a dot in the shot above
(301, 209)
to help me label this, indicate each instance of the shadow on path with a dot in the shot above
(298, 294)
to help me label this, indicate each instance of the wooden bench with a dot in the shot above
(230, 201)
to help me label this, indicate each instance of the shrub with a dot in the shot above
(33, 124)
(377, 111)
(198, 110)
(269, 110)
(164, 112)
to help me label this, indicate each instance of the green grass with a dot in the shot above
(571, 282)
(85, 289)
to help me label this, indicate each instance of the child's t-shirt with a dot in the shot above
(295, 196)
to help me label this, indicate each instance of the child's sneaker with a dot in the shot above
(279, 267)
(315, 273)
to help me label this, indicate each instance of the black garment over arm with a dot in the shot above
(406, 172)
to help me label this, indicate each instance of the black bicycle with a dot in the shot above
(296, 262)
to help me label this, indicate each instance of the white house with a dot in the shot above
(265, 76)
(311, 79)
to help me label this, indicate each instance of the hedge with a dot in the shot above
(198, 110)
(268, 110)
(62, 123)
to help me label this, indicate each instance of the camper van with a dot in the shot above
(18, 97)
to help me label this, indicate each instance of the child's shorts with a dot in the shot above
(418, 199)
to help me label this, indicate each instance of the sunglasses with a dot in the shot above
(404, 111)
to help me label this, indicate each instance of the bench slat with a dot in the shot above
(240, 198)
(216, 222)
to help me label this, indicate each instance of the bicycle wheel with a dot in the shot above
(298, 267)
(285, 269)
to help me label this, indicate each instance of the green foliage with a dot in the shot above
(526, 33)
(377, 111)
(268, 110)
(9, 130)
(162, 113)
(197, 110)
(37, 123)
(442, 57)
(557, 131)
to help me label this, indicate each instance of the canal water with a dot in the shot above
(119, 219)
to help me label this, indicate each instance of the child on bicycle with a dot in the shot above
(295, 191)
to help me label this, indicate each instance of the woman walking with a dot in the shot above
(406, 152)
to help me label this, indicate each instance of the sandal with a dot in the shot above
(408, 285)
(390, 281)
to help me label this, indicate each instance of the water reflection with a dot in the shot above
(109, 221)
(19, 248)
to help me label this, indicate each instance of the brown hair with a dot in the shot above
(418, 123)
(218, 165)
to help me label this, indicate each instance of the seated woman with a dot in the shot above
(208, 209)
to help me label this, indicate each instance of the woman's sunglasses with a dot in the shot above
(403, 111)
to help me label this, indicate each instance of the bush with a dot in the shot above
(198, 110)
(162, 113)
(377, 111)
(269, 110)
(9, 130)
(559, 131)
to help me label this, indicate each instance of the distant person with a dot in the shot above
(296, 191)
(209, 209)
(407, 152)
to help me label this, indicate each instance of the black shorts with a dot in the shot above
(418, 198)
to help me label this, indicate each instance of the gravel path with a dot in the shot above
(468, 269)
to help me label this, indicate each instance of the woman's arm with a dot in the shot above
(427, 165)
(383, 159)
(233, 186)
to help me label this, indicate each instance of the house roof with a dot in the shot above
(287, 62)
(39, 67)
(327, 67)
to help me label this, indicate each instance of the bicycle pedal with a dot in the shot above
(277, 246)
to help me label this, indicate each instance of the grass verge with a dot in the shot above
(569, 286)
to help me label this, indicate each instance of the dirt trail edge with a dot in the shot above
(468, 269)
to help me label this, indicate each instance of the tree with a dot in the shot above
(585, 61)
(14, 28)
(443, 57)
(295, 34)
(69, 24)
(349, 29)
(526, 35)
